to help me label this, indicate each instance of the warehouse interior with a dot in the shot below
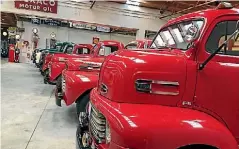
(123, 61)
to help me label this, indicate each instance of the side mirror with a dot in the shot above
(192, 33)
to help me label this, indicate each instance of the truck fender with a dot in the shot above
(83, 94)
(77, 87)
(199, 130)
(56, 70)
(151, 126)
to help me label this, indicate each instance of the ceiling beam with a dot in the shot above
(93, 3)
(187, 9)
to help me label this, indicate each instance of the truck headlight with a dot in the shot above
(107, 133)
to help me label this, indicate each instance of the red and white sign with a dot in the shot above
(49, 6)
(96, 40)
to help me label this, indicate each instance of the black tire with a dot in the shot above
(198, 147)
(59, 84)
(40, 69)
(45, 76)
(81, 104)
(79, 132)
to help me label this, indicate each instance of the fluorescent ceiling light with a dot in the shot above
(129, 2)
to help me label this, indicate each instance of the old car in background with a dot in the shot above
(80, 80)
(46, 55)
(57, 62)
(74, 85)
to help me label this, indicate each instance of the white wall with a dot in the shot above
(67, 34)
(108, 13)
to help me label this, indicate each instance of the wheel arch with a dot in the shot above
(197, 146)
(83, 94)
(197, 128)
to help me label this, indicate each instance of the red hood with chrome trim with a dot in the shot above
(165, 71)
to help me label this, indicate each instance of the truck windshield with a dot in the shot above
(63, 48)
(174, 36)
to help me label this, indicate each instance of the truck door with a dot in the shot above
(217, 88)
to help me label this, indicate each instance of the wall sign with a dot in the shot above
(105, 29)
(82, 26)
(49, 6)
(51, 22)
(96, 40)
(36, 21)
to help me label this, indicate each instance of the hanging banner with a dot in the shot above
(49, 6)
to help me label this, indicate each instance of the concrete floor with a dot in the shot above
(29, 117)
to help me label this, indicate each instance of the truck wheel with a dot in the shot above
(83, 140)
(58, 84)
(45, 76)
(42, 73)
(82, 103)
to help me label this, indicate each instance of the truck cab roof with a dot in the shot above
(209, 14)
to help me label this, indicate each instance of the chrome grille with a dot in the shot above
(63, 84)
(97, 125)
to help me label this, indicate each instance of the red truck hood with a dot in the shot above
(74, 63)
(121, 73)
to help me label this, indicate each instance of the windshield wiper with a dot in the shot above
(201, 66)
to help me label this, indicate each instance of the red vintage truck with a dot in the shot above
(45, 56)
(100, 51)
(56, 68)
(183, 95)
(57, 62)
(80, 79)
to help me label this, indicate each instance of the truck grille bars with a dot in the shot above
(97, 125)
